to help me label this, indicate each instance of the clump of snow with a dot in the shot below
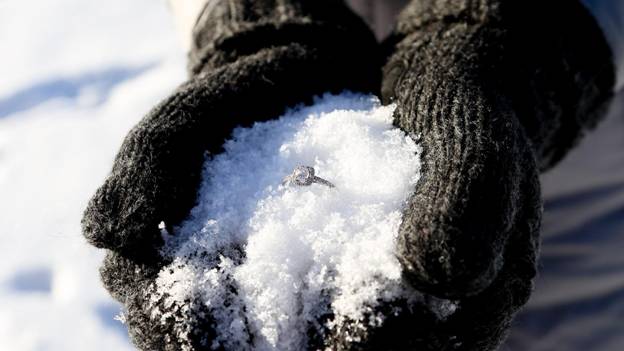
(284, 256)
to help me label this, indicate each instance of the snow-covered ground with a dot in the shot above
(76, 75)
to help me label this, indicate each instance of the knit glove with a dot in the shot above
(492, 100)
(249, 61)
(495, 91)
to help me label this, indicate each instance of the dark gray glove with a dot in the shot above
(249, 61)
(496, 91)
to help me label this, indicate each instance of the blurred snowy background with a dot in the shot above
(76, 76)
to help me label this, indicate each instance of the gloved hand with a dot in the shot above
(495, 91)
(249, 62)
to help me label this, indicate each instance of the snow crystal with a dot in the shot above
(292, 254)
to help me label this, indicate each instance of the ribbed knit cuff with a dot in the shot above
(228, 30)
(549, 58)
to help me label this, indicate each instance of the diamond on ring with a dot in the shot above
(305, 176)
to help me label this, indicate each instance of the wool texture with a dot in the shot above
(496, 91)
(157, 170)
(250, 61)
(493, 90)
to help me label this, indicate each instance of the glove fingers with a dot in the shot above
(158, 169)
(482, 321)
(458, 219)
(125, 276)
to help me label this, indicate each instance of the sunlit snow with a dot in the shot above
(296, 253)
(76, 76)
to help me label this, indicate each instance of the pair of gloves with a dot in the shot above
(495, 90)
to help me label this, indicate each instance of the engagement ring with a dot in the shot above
(304, 176)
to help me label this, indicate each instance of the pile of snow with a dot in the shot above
(269, 259)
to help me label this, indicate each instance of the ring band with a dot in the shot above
(322, 181)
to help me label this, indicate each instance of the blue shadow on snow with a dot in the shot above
(102, 82)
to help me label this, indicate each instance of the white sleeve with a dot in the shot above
(185, 13)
